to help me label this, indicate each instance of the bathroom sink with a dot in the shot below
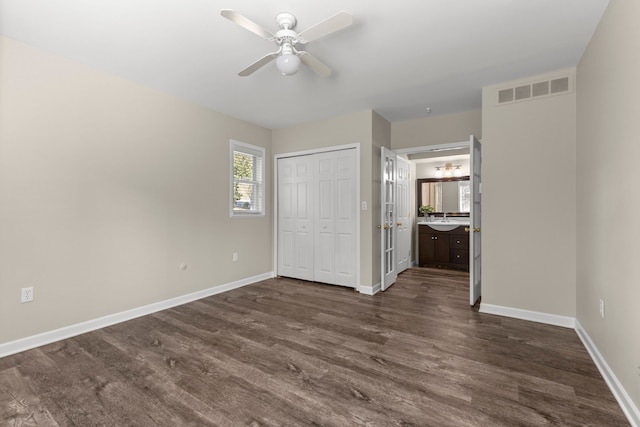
(445, 226)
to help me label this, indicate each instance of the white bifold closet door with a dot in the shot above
(317, 210)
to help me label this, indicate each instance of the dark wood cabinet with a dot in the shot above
(444, 249)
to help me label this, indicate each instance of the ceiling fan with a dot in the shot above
(289, 53)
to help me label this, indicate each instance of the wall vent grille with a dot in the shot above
(535, 90)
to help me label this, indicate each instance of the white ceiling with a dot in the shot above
(398, 58)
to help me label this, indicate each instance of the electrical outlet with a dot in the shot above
(27, 294)
(602, 309)
(235, 256)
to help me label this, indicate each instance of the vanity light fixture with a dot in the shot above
(449, 170)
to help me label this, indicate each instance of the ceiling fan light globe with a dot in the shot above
(288, 64)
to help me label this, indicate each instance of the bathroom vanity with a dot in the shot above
(443, 245)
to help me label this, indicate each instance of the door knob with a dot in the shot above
(476, 230)
(379, 227)
(399, 224)
(466, 229)
(386, 227)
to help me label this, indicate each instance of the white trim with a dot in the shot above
(257, 151)
(433, 148)
(355, 146)
(624, 400)
(627, 405)
(534, 316)
(317, 150)
(366, 290)
(49, 337)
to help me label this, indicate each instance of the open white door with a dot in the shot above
(475, 288)
(388, 218)
(403, 232)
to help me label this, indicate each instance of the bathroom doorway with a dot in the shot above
(467, 155)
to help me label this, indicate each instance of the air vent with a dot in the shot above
(540, 89)
(505, 95)
(535, 90)
(523, 92)
(560, 85)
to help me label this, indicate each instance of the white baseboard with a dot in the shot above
(38, 340)
(534, 316)
(624, 400)
(370, 290)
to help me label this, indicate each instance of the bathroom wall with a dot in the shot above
(427, 169)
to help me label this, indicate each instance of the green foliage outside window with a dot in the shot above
(242, 169)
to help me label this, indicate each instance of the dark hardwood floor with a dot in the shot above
(287, 352)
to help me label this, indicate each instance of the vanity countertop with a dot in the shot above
(445, 225)
(465, 223)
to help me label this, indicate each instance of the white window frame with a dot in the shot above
(258, 181)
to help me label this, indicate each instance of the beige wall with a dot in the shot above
(105, 188)
(528, 201)
(349, 129)
(436, 130)
(608, 199)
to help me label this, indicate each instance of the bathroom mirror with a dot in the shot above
(450, 195)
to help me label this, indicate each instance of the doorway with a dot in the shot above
(389, 248)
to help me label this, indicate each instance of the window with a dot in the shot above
(247, 179)
(464, 195)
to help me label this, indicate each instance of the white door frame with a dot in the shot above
(355, 146)
(447, 147)
(403, 216)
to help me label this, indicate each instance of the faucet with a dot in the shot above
(445, 217)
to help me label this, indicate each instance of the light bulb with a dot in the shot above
(288, 64)
(457, 171)
(447, 172)
(438, 173)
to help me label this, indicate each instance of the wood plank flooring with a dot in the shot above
(287, 352)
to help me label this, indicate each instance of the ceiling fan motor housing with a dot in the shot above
(287, 36)
(286, 20)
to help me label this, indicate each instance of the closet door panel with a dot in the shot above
(317, 217)
(324, 256)
(345, 248)
(304, 214)
(288, 253)
(295, 217)
(345, 218)
(286, 218)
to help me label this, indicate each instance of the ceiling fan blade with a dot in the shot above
(314, 63)
(245, 22)
(332, 24)
(258, 64)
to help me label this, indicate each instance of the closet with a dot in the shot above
(316, 217)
